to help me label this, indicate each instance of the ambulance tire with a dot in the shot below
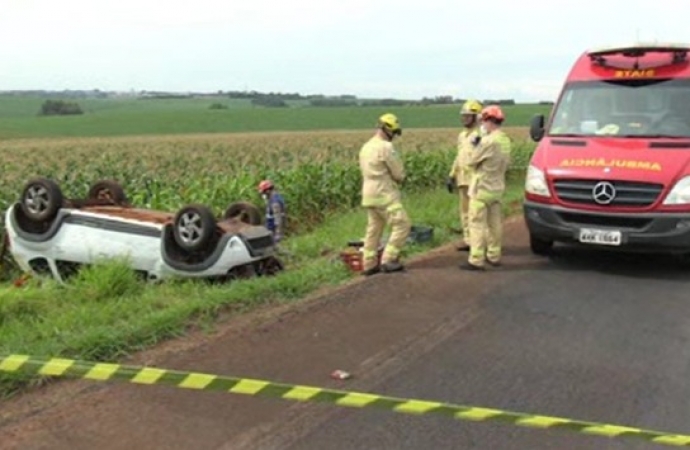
(539, 246)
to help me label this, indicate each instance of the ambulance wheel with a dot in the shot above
(682, 259)
(539, 246)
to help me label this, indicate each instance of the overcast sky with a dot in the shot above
(381, 48)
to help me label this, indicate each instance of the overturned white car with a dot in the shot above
(49, 234)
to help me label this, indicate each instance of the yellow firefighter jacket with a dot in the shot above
(460, 170)
(382, 171)
(490, 160)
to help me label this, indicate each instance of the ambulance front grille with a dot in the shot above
(627, 193)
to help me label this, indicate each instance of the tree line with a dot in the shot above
(280, 100)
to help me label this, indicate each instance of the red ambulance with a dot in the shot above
(612, 164)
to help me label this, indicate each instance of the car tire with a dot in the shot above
(194, 227)
(539, 246)
(41, 200)
(110, 190)
(246, 212)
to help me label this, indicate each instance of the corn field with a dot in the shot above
(317, 172)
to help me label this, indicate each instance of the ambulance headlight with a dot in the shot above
(535, 183)
(680, 194)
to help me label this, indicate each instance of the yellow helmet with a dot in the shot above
(471, 107)
(389, 122)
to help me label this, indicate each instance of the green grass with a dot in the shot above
(106, 313)
(114, 117)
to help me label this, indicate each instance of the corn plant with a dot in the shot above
(318, 172)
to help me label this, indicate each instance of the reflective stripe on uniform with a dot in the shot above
(392, 251)
(476, 253)
(397, 206)
(369, 254)
(375, 201)
(488, 197)
(493, 252)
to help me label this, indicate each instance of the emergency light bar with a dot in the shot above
(640, 49)
(679, 52)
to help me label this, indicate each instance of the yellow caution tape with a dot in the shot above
(192, 380)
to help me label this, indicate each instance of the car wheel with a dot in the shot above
(41, 200)
(194, 227)
(108, 190)
(245, 212)
(540, 246)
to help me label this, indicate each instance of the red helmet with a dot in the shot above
(493, 112)
(265, 185)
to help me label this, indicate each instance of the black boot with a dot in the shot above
(393, 266)
(468, 266)
(372, 271)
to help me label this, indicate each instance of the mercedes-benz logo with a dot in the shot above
(603, 193)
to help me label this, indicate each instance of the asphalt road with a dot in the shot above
(589, 336)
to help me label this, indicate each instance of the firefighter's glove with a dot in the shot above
(450, 184)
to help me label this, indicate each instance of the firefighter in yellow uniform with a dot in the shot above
(460, 173)
(490, 160)
(382, 173)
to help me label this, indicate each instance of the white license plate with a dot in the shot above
(602, 237)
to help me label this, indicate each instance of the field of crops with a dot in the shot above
(317, 171)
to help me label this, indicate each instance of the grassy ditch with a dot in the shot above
(106, 312)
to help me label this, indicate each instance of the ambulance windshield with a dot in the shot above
(629, 108)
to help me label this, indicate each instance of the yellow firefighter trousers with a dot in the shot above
(464, 213)
(378, 217)
(486, 231)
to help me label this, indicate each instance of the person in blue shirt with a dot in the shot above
(275, 209)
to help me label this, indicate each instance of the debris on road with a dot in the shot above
(340, 375)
